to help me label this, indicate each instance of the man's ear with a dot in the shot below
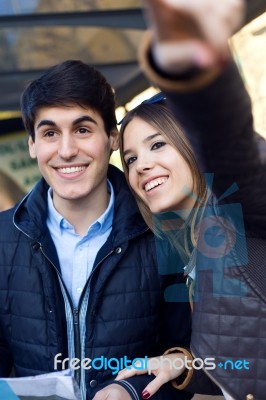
(32, 149)
(114, 139)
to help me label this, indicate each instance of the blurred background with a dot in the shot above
(35, 34)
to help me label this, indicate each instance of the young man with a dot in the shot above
(78, 271)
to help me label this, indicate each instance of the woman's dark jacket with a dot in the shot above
(229, 318)
(122, 309)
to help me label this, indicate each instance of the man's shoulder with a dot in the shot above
(7, 215)
(7, 228)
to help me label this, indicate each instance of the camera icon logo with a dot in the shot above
(219, 234)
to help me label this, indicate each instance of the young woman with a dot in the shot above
(172, 194)
(211, 242)
(186, 54)
(184, 57)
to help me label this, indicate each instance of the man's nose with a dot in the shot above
(67, 147)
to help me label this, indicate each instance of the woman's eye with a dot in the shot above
(130, 160)
(157, 145)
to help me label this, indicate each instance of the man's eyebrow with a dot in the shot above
(147, 139)
(45, 122)
(84, 118)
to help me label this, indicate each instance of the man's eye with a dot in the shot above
(83, 130)
(49, 134)
(130, 160)
(158, 145)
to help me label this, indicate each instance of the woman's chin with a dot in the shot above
(158, 209)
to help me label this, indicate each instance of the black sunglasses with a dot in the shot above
(157, 98)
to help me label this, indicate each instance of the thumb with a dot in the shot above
(154, 385)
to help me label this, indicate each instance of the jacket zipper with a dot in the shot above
(81, 381)
(75, 313)
(77, 346)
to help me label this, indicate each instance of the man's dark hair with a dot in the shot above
(70, 82)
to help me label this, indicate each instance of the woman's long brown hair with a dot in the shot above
(162, 119)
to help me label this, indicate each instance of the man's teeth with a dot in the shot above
(71, 170)
(155, 182)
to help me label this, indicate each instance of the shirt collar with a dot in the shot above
(103, 223)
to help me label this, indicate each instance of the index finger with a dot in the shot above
(129, 372)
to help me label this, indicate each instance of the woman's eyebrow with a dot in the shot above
(147, 139)
(150, 137)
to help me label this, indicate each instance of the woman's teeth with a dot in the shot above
(156, 182)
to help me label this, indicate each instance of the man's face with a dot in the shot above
(72, 150)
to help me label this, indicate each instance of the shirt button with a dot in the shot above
(79, 290)
(118, 250)
(93, 383)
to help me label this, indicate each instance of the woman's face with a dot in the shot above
(157, 172)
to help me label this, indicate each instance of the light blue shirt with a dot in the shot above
(77, 253)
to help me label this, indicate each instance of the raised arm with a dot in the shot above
(187, 55)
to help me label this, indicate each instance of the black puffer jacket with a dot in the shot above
(122, 313)
(230, 323)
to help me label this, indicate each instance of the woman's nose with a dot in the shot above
(144, 164)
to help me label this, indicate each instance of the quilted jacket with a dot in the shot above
(229, 317)
(122, 312)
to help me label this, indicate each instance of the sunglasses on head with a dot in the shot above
(157, 98)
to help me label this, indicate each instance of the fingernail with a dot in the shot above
(145, 394)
